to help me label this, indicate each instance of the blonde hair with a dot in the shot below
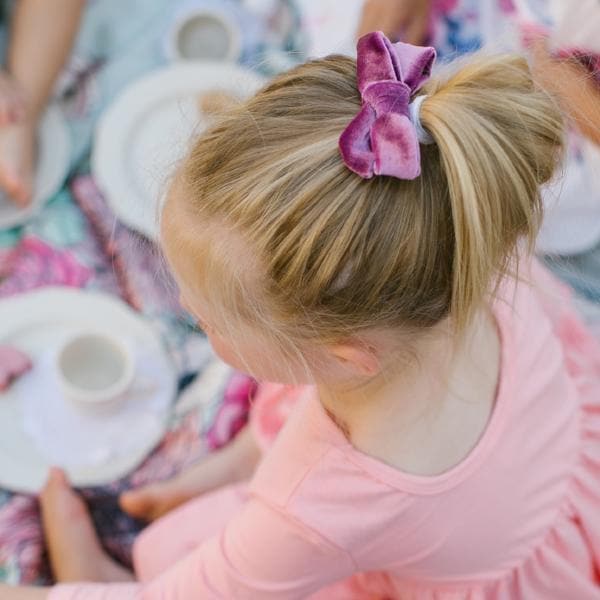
(338, 255)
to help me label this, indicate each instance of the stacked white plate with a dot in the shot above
(147, 130)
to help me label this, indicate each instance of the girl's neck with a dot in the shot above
(427, 416)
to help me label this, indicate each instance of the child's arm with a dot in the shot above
(41, 36)
(574, 87)
(263, 552)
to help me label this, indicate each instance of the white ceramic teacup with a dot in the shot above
(95, 369)
(205, 35)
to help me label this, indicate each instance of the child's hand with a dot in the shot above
(235, 462)
(407, 20)
(17, 160)
(574, 88)
(17, 142)
(12, 100)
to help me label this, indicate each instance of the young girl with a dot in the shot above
(361, 230)
(556, 38)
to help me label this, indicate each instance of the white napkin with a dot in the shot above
(576, 24)
(331, 25)
(69, 436)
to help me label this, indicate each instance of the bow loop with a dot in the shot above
(381, 139)
(416, 64)
(387, 96)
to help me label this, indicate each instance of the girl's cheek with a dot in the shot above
(223, 351)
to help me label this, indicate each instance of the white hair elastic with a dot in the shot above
(414, 108)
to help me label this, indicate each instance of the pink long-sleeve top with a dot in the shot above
(519, 517)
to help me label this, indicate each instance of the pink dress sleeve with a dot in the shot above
(263, 554)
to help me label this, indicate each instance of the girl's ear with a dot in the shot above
(358, 357)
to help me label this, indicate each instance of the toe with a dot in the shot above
(59, 502)
(138, 503)
(56, 481)
(58, 476)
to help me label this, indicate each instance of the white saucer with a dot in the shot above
(146, 131)
(54, 150)
(35, 323)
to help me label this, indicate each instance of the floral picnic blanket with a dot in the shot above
(76, 242)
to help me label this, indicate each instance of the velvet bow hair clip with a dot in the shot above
(384, 138)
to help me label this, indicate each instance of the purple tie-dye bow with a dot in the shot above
(381, 139)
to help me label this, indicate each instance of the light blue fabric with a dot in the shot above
(120, 41)
(117, 43)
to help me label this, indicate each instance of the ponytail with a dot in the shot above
(498, 139)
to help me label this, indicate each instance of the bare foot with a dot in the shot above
(17, 159)
(154, 500)
(74, 549)
(157, 499)
(235, 462)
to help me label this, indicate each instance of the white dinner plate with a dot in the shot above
(147, 130)
(53, 156)
(35, 323)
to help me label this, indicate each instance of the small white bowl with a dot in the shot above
(204, 34)
(95, 369)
